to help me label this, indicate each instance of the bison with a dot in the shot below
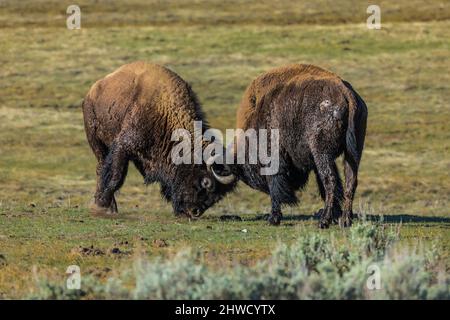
(319, 117)
(130, 115)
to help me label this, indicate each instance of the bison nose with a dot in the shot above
(338, 114)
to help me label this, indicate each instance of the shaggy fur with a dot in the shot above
(129, 116)
(319, 117)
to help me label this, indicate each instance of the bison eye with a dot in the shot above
(206, 183)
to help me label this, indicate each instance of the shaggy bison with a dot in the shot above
(319, 117)
(130, 115)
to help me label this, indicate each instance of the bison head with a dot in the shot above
(198, 187)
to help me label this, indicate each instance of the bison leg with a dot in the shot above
(320, 185)
(112, 177)
(280, 192)
(101, 152)
(337, 208)
(329, 177)
(275, 214)
(322, 193)
(95, 209)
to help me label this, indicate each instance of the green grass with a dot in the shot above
(47, 171)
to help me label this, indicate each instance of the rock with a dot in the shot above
(115, 251)
(87, 251)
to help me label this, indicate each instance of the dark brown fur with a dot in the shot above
(319, 117)
(129, 116)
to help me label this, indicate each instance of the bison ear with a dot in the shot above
(221, 172)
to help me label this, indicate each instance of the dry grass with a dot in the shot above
(107, 13)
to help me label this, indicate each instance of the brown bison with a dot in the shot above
(130, 115)
(319, 117)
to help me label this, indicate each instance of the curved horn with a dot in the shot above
(222, 179)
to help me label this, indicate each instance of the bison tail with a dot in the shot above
(350, 139)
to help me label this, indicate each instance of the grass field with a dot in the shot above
(47, 171)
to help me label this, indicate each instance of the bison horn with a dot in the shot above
(222, 179)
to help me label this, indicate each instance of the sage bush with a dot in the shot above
(318, 265)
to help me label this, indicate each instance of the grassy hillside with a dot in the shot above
(107, 13)
(47, 171)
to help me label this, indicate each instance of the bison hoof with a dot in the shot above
(345, 222)
(324, 223)
(321, 215)
(97, 210)
(274, 219)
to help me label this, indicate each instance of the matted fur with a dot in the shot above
(319, 117)
(130, 115)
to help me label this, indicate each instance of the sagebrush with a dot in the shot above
(316, 266)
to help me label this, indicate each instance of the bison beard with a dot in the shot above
(319, 117)
(129, 116)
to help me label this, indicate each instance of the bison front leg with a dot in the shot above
(112, 177)
(329, 177)
(275, 214)
(280, 193)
